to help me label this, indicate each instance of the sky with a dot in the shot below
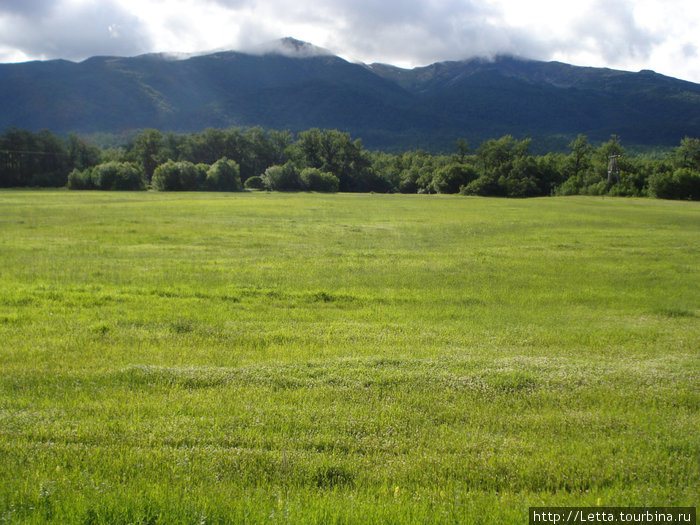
(661, 35)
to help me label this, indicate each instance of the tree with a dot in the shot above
(17, 165)
(254, 183)
(80, 180)
(224, 175)
(177, 176)
(486, 185)
(681, 184)
(508, 169)
(262, 152)
(147, 150)
(313, 179)
(687, 155)
(309, 145)
(450, 178)
(335, 152)
(281, 178)
(462, 149)
(497, 155)
(280, 146)
(580, 158)
(611, 147)
(550, 172)
(117, 176)
(522, 179)
(81, 154)
(51, 165)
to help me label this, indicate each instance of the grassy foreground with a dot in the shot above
(294, 358)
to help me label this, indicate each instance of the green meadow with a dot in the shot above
(306, 358)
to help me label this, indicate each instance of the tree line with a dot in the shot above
(330, 160)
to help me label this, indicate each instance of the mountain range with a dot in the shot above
(293, 85)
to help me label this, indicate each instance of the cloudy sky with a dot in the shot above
(663, 35)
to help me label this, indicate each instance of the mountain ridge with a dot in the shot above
(294, 85)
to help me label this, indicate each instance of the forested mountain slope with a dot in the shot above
(296, 86)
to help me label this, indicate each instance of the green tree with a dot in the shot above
(81, 154)
(450, 178)
(224, 175)
(80, 180)
(177, 176)
(462, 149)
(486, 185)
(335, 152)
(508, 169)
(117, 176)
(687, 155)
(254, 183)
(313, 179)
(51, 164)
(683, 184)
(309, 145)
(497, 155)
(579, 160)
(281, 178)
(147, 150)
(522, 179)
(17, 166)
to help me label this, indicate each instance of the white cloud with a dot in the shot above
(626, 34)
(42, 29)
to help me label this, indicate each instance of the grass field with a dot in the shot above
(297, 358)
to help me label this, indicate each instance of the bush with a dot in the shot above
(80, 180)
(117, 176)
(681, 184)
(450, 178)
(485, 186)
(408, 182)
(202, 170)
(254, 183)
(224, 175)
(281, 178)
(313, 179)
(178, 176)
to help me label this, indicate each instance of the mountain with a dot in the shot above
(293, 85)
(549, 99)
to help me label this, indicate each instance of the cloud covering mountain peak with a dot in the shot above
(289, 47)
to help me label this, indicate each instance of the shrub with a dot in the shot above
(313, 179)
(177, 176)
(254, 183)
(681, 184)
(519, 187)
(202, 170)
(485, 186)
(224, 175)
(408, 182)
(80, 180)
(117, 176)
(450, 178)
(281, 178)
(192, 176)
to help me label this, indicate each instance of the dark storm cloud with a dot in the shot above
(50, 29)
